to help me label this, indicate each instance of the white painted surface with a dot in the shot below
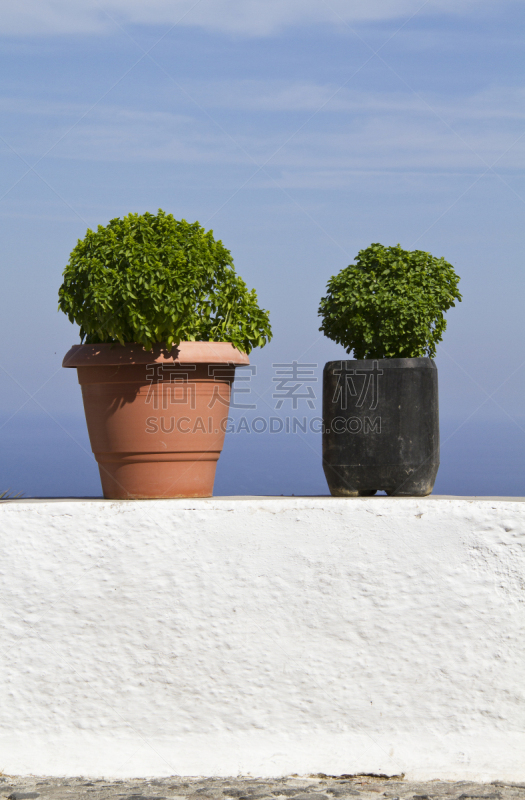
(263, 636)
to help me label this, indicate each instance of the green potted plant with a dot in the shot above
(380, 410)
(164, 319)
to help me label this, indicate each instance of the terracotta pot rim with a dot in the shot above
(114, 354)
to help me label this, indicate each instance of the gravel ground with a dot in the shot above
(314, 787)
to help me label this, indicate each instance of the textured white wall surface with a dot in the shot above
(263, 636)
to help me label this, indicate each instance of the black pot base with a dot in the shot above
(343, 482)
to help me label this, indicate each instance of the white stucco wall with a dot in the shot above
(263, 636)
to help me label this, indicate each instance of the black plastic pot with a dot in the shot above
(381, 426)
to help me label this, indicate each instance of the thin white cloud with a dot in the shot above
(244, 17)
(285, 96)
(113, 133)
(369, 132)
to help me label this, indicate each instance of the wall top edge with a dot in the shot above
(318, 500)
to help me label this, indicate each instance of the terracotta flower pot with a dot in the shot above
(156, 420)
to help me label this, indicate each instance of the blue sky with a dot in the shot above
(300, 131)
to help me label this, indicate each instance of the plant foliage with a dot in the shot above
(8, 495)
(390, 304)
(150, 278)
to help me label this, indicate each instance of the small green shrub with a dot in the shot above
(389, 304)
(150, 278)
